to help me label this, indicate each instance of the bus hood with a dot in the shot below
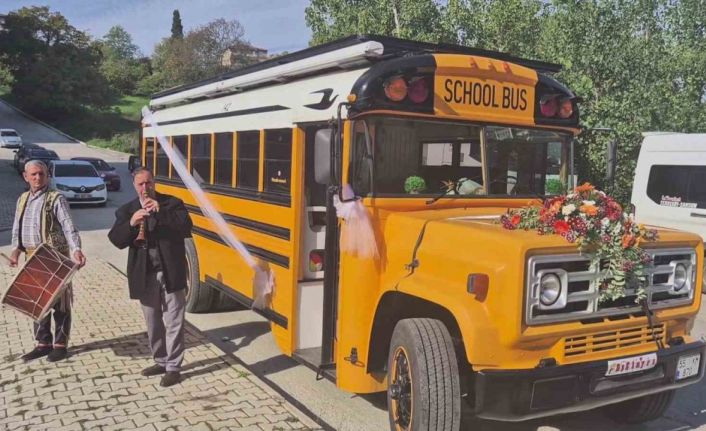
(471, 228)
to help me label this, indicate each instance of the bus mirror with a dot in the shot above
(611, 160)
(322, 156)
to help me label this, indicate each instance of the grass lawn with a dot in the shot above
(116, 127)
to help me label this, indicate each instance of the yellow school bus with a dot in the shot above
(456, 314)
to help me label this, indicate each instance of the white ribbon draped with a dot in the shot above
(357, 234)
(263, 278)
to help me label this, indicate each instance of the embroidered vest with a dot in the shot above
(50, 229)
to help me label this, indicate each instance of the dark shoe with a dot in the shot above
(38, 352)
(57, 354)
(170, 378)
(154, 370)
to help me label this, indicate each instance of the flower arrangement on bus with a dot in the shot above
(600, 228)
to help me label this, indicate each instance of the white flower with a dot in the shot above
(605, 222)
(568, 209)
(592, 203)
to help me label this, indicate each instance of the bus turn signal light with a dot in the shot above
(477, 285)
(396, 89)
(566, 108)
(548, 105)
(418, 90)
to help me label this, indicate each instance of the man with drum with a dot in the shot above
(154, 226)
(42, 216)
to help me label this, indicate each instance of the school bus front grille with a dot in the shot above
(612, 340)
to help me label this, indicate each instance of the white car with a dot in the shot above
(78, 181)
(9, 138)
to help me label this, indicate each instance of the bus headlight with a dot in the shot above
(680, 276)
(549, 289)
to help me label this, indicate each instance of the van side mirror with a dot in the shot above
(322, 156)
(611, 160)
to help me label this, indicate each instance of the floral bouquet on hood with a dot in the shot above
(596, 223)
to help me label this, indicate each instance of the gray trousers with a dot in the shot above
(164, 315)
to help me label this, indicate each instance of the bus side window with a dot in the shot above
(223, 165)
(201, 157)
(278, 160)
(149, 154)
(162, 168)
(180, 144)
(248, 160)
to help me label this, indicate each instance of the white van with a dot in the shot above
(670, 182)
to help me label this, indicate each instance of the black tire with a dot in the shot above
(199, 298)
(638, 410)
(423, 379)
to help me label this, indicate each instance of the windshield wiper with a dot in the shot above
(436, 198)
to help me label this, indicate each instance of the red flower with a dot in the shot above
(516, 219)
(561, 227)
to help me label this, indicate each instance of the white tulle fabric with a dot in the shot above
(357, 234)
(263, 278)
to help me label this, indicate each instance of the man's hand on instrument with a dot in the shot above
(151, 205)
(14, 257)
(79, 258)
(139, 217)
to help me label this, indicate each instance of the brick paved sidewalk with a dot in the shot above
(100, 387)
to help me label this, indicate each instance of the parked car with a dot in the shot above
(9, 138)
(78, 181)
(107, 172)
(33, 152)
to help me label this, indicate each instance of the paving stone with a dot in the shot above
(100, 387)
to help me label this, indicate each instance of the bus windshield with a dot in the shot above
(407, 157)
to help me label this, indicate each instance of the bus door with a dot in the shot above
(316, 314)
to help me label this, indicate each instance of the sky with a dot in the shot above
(275, 25)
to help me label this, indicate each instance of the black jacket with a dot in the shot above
(168, 228)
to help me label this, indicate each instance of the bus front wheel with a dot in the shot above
(638, 410)
(423, 380)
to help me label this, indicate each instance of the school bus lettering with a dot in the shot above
(485, 95)
(449, 279)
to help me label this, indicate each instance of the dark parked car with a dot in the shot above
(32, 152)
(107, 172)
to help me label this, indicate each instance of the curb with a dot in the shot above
(48, 126)
(105, 149)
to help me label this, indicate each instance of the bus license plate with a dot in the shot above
(631, 365)
(688, 366)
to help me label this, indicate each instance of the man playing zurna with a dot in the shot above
(42, 216)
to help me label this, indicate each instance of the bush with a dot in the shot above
(124, 142)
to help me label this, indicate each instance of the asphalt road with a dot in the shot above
(246, 336)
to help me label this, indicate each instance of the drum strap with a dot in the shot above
(21, 208)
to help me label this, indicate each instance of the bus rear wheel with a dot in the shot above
(423, 379)
(199, 298)
(638, 410)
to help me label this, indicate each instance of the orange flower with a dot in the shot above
(590, 210)
(585, 187)
(556, 206)
(628, 240)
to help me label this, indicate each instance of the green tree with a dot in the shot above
(197, 56)
(410, 19)
(55, 67)
(177, 28)
(121, 65)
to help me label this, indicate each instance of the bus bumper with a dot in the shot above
(516, 395)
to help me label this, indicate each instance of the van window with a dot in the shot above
(677, 186)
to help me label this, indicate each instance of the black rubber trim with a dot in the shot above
(268, 314)
(272, 230)
(251, 195)
(250, 111)
(508, 394)
(267, 255)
